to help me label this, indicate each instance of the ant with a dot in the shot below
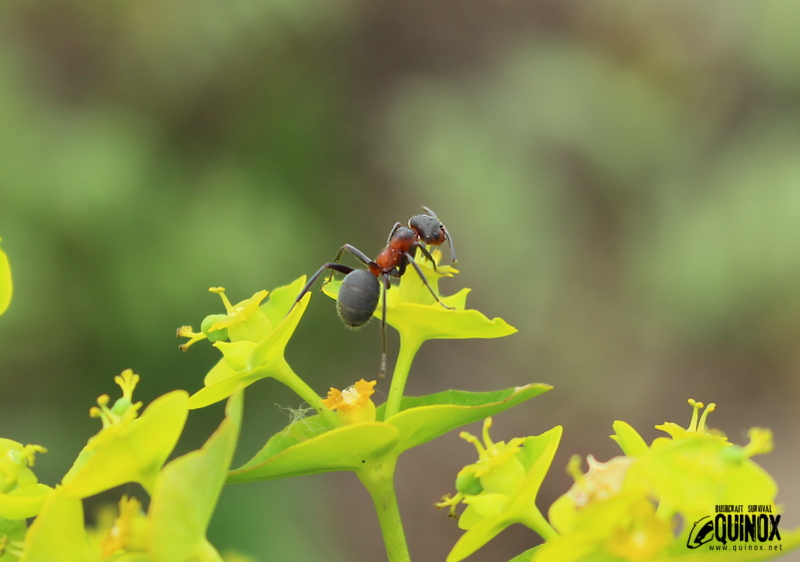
(361, 288)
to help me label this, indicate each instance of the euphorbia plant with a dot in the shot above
(359, 437)
(132, 448)
(649, 504)
(637, 507)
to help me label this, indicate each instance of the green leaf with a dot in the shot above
(349, 447)
(24, 502)
(58, 532)
(218, 372)
(272, 347)
(281, 300)
(424, 418)
(309, 446)
(478, 536)
(629, 440)
(130, 452)
(525, 556)
(433, 321)
(296, 432)
(5, 282)
(536, 456)
(12, 530)
(187, 490)
(222, 388)
(748, 483)
(430, 320)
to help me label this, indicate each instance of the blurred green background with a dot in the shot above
(622, 181)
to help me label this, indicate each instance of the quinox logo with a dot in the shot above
(737, 527)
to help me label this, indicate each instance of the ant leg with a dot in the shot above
(341, 268)
(450, 241)
(425, 253)
(385, 283)
(358, 254)
(394, 229)
(425, 280)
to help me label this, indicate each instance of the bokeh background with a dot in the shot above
(622, 181)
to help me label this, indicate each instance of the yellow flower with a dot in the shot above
(353, 404)
(497, 468)
(252, 338)
(640, 535)
(182, 501)
(621, 527)
(244, 321)
(21, 495)
(760, 442)
(501, 488)
(603, 480)
(128, 532)
(694, 469)
(129, 447)
(697, 426)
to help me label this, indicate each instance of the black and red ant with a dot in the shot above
(361, 288)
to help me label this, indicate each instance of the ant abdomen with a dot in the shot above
(358, 297)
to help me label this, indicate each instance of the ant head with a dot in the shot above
(429, 229)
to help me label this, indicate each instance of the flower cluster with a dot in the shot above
(21, 494)
(635, 507)
(500, 489)
(129, 448)
(252, 338)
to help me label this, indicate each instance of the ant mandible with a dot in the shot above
(361, 288)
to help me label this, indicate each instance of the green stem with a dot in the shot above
(285, 374)
(379, 482)
(537, 522)
(207, 553)
(409, 346)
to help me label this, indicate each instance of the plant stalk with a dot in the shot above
(409, 346)
(379, 482)
(287, 376)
